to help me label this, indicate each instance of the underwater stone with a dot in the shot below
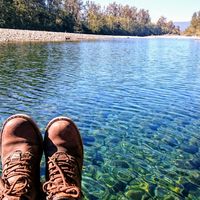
(98, 159)
(122, 164)
(195, 178)
(87, 140)
(115, 140)
(135, 194)
(188, 187)
(124, 175)
(165, 147)
(119, 197)
(172, 142)
(107, 180)
(195, 163)
(154, 127)
(93, 197)
(185, 123)
(119, 186)
(171, 198)
(94, 189)
(191, 149)
(152, 188)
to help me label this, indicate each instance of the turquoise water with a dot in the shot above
(136, 102)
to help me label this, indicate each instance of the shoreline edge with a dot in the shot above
(17, 35)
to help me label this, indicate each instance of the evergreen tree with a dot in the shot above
(92, 17)
(73, 16)
(7, 14)
(194, 28)
(72, 19)
(29, 13)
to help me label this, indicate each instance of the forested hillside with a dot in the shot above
(194, 28)
(74, 16)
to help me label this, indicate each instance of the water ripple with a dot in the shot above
(136, 103)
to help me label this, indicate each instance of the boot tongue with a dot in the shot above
(16, 156)
(61, 156)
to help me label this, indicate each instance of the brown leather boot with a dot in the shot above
(64, 160)
(21, 152)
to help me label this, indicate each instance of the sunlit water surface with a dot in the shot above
(136, 102)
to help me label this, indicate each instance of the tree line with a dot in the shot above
(194, 28)
(76, 16)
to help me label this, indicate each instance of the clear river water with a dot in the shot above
(135, 101)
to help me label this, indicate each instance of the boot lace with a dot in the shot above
(20, 170)
(63, 175)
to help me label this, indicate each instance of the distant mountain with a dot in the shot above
(182, 25)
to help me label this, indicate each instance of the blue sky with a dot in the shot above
(175, 10)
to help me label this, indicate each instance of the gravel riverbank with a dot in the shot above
(15, 35)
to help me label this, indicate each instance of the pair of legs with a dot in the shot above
(22, 147)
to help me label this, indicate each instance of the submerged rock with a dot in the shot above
(171, 198)
(171, 141)
(88, 140)
(195, 178)
(191, 149)
(137, 194)
(121, 164)
(188, 187)
(119, 186)
(195, 163)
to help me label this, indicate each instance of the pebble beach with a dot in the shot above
(16, 35)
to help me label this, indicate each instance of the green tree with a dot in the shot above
(93, 17)
(29, 13)
(72, 15)
(194, 28)
(143, 17)
(166, 27)
(7, 14)
(55, 15)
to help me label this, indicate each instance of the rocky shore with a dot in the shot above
(15, 35)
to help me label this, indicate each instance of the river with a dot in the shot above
(135, 101)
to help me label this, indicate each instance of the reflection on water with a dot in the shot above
(137, 103)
